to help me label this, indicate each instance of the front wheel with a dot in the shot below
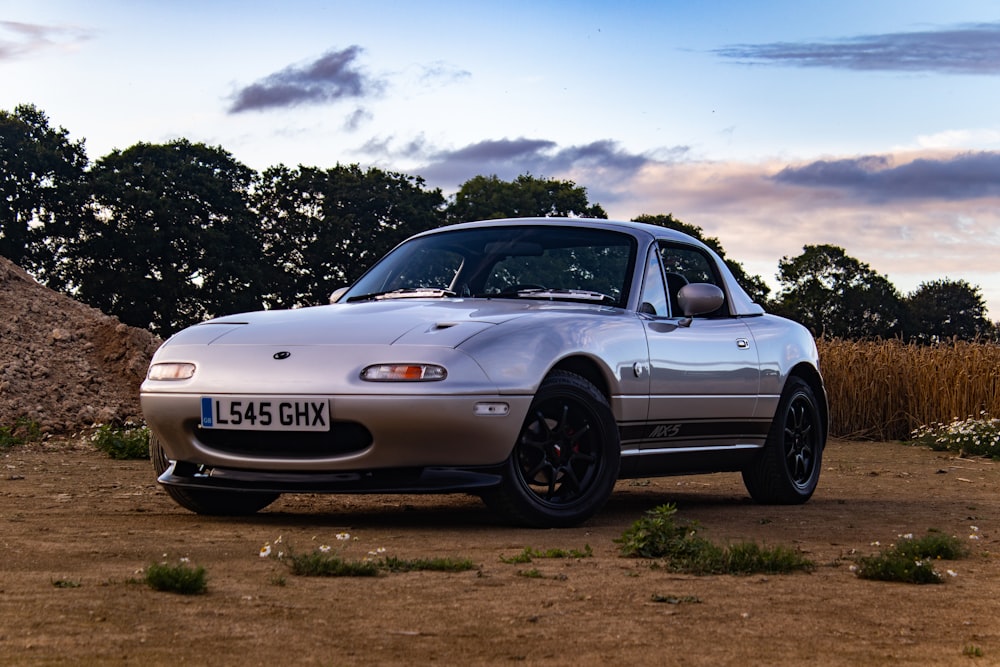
(565, 462)
(788, 469)
(206, 501)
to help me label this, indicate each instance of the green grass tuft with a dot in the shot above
(180, 578)
(445, 564)
(911, 561)
(658, 535)
(529, 553)
(318, 564)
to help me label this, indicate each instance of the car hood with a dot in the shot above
(445, 323)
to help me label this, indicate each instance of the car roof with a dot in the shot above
(636, 228)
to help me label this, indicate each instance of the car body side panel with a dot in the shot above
(782, 345)
(712, 361)
(518, 355)
(703, 394)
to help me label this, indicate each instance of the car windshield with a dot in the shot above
(536, 262)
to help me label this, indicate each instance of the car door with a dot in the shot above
(704, 371)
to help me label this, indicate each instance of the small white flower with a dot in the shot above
(974, 537)
(324, 548)
(952, 573)
(908, 536)
(265, 551)
(853, 568)
(278, 541)
(343, 537)
(876, 543)
(185, 559)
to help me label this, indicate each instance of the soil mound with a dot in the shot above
(65, 365)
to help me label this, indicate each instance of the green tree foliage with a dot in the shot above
(946, 309)
(163, 236)
(754, 285)
(321, 229)
(836, 295)
(172, 240)
(489, 198)
(41, 190)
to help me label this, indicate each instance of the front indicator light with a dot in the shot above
(171, 371)
(404, 373)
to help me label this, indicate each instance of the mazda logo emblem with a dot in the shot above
(282, 355)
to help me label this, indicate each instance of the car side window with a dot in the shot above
(683, 265)
(654, 295)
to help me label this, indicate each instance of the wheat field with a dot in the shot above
(885, 389)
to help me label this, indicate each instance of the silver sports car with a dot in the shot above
(533, 362)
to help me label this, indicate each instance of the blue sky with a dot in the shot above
(872, 125)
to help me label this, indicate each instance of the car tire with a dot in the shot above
(788, 469)
(565, 462)
(206, 501)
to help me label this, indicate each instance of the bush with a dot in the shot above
(130, 441)
(973, 436)
(24, 430)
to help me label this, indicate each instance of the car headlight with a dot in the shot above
(404, 373)
(171, 371)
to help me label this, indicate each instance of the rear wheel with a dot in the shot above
(204, 501)
(565, 462)
(788, 469)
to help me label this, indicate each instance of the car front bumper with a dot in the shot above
(382, 432)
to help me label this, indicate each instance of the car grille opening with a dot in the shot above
(342, 438)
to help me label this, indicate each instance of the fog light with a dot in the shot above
(491, 409)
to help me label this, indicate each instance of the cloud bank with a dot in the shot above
(913, 216)
(332, 77)
(23, 39)
(964, 49)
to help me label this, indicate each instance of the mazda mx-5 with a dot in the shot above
(532, 362)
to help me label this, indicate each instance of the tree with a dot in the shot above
(944, 309)
(754, 286)
(42, 174)
(836, 295)
(322, 229)
(172, 239)
(488, 198)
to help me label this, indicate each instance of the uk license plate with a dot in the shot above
(265, 414)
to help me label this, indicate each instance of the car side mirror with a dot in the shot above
(699, 299)
(337, 293)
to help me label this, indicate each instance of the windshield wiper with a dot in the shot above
(564, 294)
(408, 293)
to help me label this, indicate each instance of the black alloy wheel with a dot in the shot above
(565, 462)
(788, 469)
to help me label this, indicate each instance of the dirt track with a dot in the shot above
(76, 528)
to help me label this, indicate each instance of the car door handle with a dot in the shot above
(743, 343)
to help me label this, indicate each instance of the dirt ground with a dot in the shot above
(76, 529)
